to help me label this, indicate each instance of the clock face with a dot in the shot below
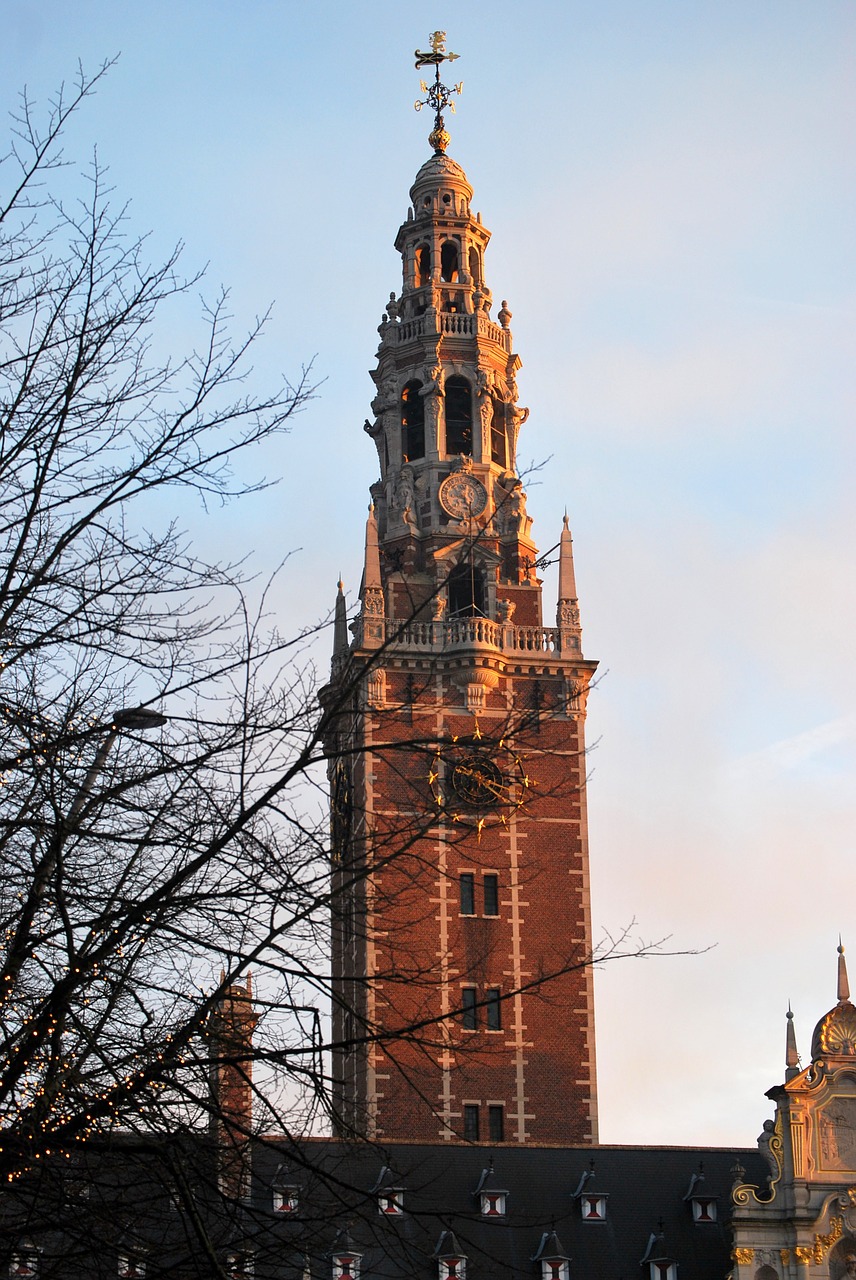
(476, 782)
(462, 495)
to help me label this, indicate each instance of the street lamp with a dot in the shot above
(139, 718)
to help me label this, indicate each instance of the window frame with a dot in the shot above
(492, 898)
(493, 1008)
(469, 1008)
(470, 1120)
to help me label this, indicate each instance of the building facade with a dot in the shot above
(462, 935)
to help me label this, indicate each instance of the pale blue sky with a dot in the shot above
(671, 192)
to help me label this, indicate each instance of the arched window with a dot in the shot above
(423, 265)
(466, 592)
(459, 416)
(475, 266)
(498, 447)
(412, 422)
(449, 262)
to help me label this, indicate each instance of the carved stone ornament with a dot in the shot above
(569, 613)
(744, 1257)
(835, 1034)
(462, 495)
(373, 603)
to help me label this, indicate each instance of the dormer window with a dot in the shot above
(656, 1261)
(239, 1265)
(663, 1269)
(704, 1208)
(285, 1199)
(703, 1205)
(391, 1203)
(593, 1207)
(131, 1267)
(451, 1260)
(25, 1260)
(389, 1190)
(493, 1203)
(284, 1190)
(554, 1262)
(346, 1266)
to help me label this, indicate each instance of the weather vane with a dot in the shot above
(438, 96)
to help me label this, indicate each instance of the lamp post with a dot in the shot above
(18, 946)
(139, 718)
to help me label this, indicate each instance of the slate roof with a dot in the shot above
(124, 1195)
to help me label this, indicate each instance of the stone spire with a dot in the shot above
(843, 984)
(567, 581)
(340, 624)
(792, 1057)
(567, 609)
(371, 593)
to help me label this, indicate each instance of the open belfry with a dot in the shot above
(461, 920)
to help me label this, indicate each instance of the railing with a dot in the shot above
(454, 323)
(472, 633)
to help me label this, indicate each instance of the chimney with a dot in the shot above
(230, 1039)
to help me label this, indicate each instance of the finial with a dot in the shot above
(843, 984)
(438, 96)
(565, 524)
(792, 1057)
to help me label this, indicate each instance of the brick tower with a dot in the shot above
(461, 929)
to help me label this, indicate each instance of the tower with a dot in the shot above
(461, 927)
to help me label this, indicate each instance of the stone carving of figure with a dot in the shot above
(518, 417)
(463, 462)
(433, 380)
(405, 496)
(764, 1140)
(510, 505)
(432, 389)
(482, 382)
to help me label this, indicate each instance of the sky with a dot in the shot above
(670, 185)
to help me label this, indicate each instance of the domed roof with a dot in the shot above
(439, 171)
(835, 1034)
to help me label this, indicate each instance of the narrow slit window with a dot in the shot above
(471, 1122)
(498, 449)
(412, 422)
(496, 1123)
(423, 266)
(468, 894)
(459, 416)
(493, 1009)
(491, 895)
(469, 1009)
(449, 262)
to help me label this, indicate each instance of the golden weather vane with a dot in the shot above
(438, 95)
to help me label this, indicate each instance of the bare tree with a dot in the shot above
(163, 813)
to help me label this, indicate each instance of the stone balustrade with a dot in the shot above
(455, 324)
(472, 633)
